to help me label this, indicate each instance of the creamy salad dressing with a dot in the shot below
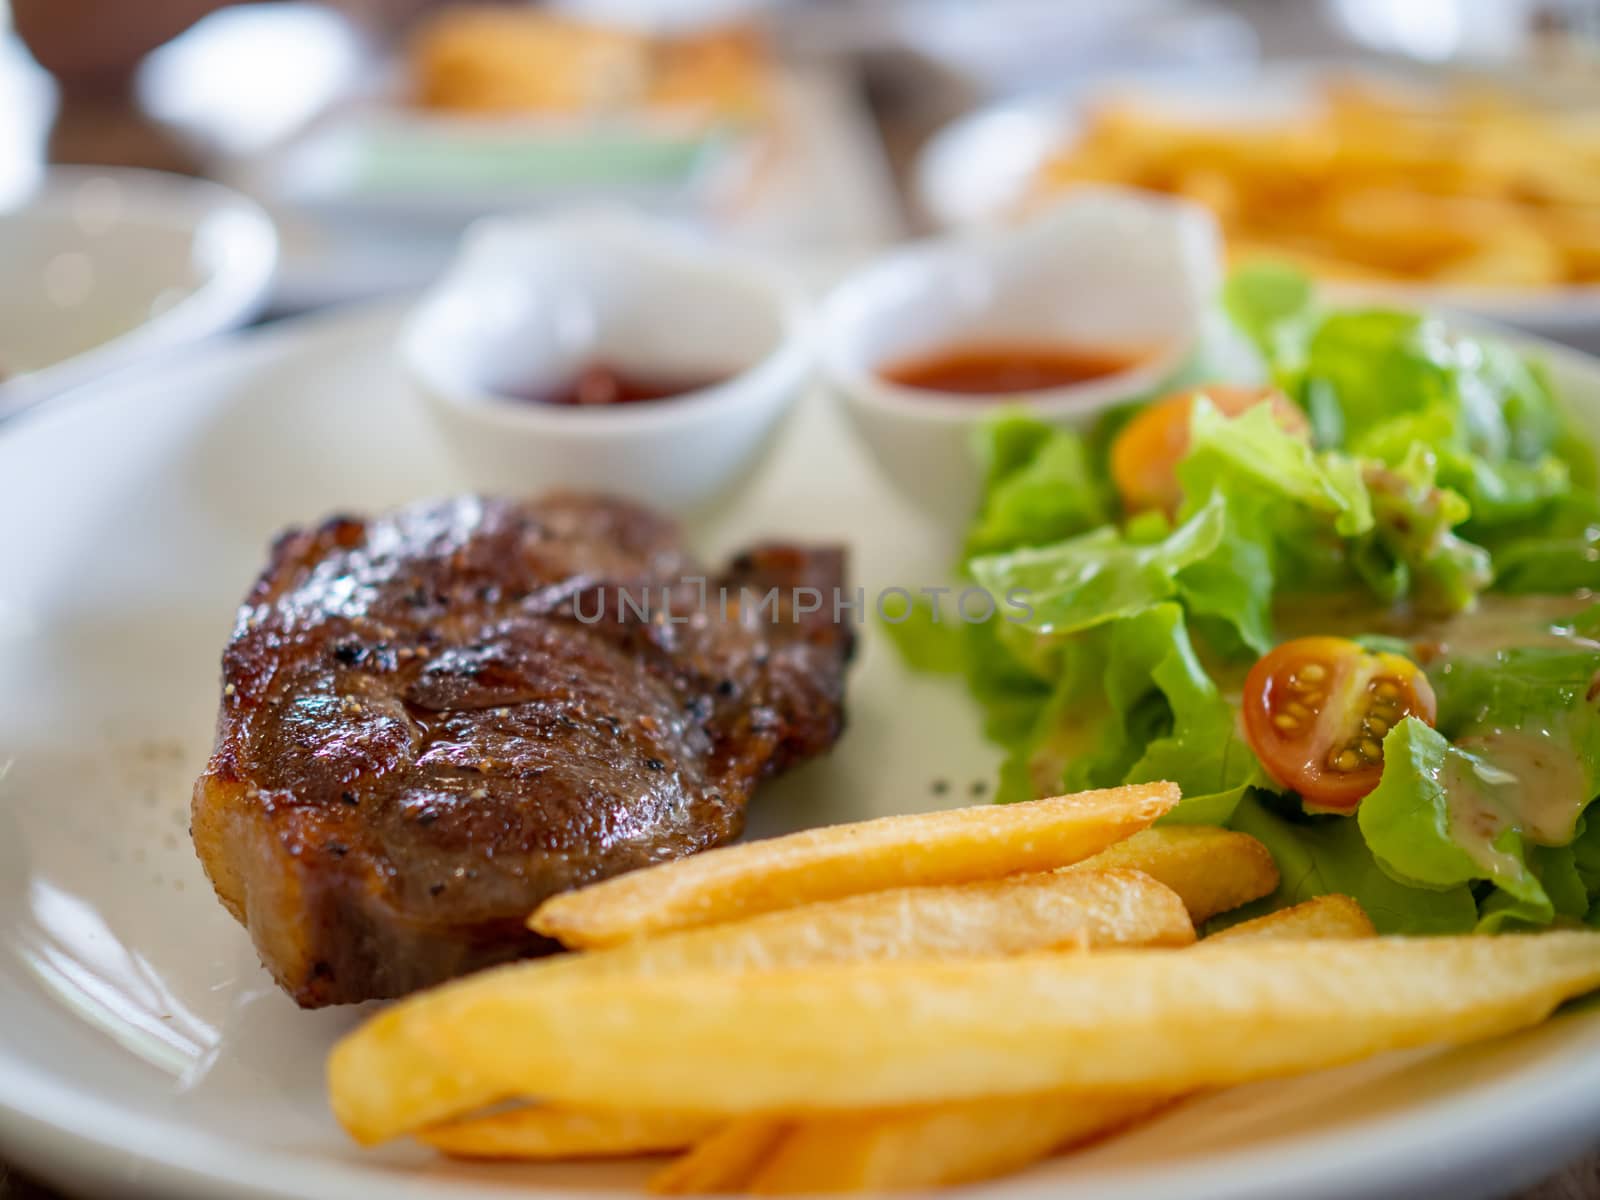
(1529, 781)
(1497, 623)
(1547, 786)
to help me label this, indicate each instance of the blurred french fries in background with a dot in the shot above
(955, 846)
(1461, 186)
(918, 1001)
(493, 60)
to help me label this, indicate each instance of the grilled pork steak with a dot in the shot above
(432, 720)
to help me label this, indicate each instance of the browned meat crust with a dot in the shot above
(420, 739)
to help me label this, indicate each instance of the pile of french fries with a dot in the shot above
(499, 60)
(1466, 187)
(917, 1001)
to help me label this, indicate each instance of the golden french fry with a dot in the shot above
(549, 1132)
(969, 1140)
(938, 1145)
(889, 1034)
(1325, 918)
(1004, 916)
(516, 61)
(723, 1161)
(1007, 916)
(1213, 869)
(1014, 915)
(956, 846)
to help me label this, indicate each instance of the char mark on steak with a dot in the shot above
(433, 719)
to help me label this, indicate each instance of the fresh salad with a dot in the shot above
(1351, 612)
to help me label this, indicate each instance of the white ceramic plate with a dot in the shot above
(977, 170)
(824, 185)
(105, 266)
(144, 1050)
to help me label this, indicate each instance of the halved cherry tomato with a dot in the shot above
(1145, 456)
(1316, 711)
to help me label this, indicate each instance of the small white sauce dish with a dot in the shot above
(105, 266)
(1105, 269)
(531, 302)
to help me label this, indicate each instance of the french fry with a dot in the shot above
(1213, 870)
(938, 1145)
(1097, 908)
(970, 1140)
(1325, 918)
(550, 1132)
(955, 846)
(1015, 915)
(889, 1034)
(723, 1161)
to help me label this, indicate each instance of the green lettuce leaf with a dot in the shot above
(1102, 576)
(1438, 819)
(1132, 703)
(1252, 454)
(1414, 553)
(1316, 856)
(1040, 486)
(1379, 363)
(1497, 792)
(1497, 491)
(1556, 551)
(1565, 894)
(1274, 306)
(927, 639)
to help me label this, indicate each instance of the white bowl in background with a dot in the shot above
(530, 302)
(104, 266)
(1107, 268)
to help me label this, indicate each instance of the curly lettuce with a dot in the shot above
(1439, 469)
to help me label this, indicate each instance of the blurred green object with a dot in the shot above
(413, 158)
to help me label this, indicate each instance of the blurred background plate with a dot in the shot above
(985, 168)
(819, 181)
(387, 151)
(1004, 47)
(104, 267)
